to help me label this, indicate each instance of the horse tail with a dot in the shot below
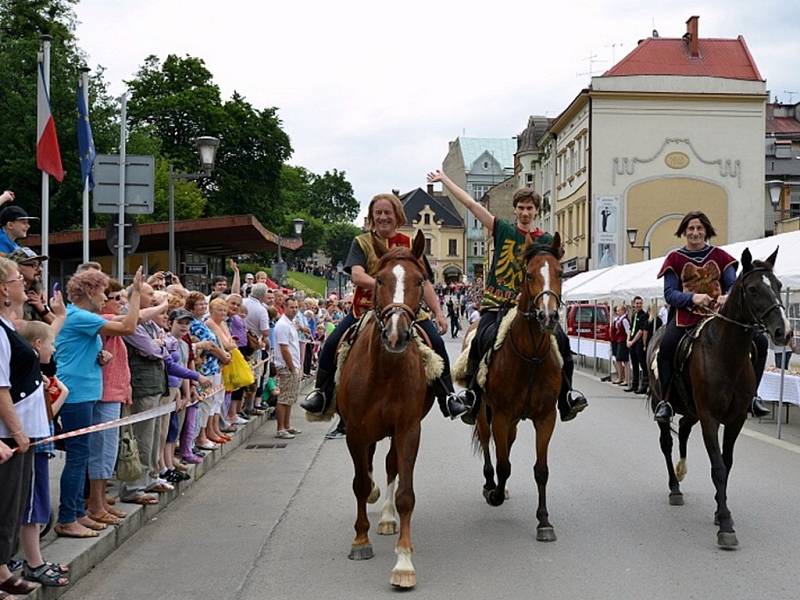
(483, 418)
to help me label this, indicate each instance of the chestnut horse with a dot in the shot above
(523, 380)
(383, 392)
(721, 381)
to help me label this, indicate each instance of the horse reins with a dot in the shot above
(758, 321)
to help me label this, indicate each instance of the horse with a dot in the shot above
(383, 392)
(720, 380)
(523, 380)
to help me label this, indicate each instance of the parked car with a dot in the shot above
(581, 321)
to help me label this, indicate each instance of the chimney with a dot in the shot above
(692, 36)
(396, 192)
(430, 189)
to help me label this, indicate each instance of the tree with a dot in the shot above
(338, 239)
(332, 198)
(21, 23)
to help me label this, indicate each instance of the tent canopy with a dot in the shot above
(639, 279)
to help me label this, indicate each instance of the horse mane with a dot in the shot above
(536, 249)
(399, 253)
(734, 304)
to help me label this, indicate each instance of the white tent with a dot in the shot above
(639, 279)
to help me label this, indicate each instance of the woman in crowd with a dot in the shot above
(216, 322)
(238, 332)
(80, 360)
(620, 328)
(23, 415)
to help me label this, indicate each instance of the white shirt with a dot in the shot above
(474, 316)
(286, 335)
(31, 411)
(257, 319)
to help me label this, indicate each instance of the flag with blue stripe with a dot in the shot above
(85, 142)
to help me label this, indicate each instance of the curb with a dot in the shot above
(82, 555)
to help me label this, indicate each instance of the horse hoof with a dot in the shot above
(493, 498)
(681, 469)
(727, 540)
(676, 499)
(403, 579)
(486, 494)
(508, 494)
(387, 527)
(545, 534)
(374, 495)
(361, 552)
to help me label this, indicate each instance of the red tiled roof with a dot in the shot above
(782, 125)
(670, 56)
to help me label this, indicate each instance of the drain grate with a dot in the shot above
(264, 446)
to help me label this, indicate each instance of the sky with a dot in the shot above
(378, 89)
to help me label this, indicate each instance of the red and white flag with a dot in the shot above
(48, 154)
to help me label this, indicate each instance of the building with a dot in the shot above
(476, 165)
(676, 125)
(443, 227)
(782, 167)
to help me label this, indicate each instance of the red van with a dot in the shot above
(581, 321)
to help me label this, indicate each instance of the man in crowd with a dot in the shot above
(287, 361)
(30, 267)
(14, 225)
(636, 348)
(219, 284)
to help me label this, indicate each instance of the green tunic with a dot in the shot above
(505, 276)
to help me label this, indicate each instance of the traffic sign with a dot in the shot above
(139, 184)
(131, 236)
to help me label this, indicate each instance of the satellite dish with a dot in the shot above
(131, 236)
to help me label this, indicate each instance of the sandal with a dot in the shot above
(18, 587)
(44, 574)
(161, 488)
(121, 514)
(142, 499)
(61, 568)
(61, 532)
(91, 523)
(104, 517)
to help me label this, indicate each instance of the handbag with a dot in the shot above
(237, 373)
(129, 468)
(253, 342)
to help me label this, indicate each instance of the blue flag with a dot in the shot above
(86, 149)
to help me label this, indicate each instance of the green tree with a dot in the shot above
(332, 197)
(21, 23)
(338, 239)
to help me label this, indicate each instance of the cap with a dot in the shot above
(249, 277)
(23, 254)
(13, 213)
(179, 314)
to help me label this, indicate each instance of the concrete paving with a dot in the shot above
(277, 523)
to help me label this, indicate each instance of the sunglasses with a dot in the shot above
(115, 297)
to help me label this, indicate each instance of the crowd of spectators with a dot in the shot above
(203, 364)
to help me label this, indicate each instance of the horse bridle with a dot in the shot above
(383, 314)
(534, 312)
(758, 321)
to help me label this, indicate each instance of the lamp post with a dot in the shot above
(632, 233)
(775, 189)
(339, 271)
(279, 268)
(207, 151)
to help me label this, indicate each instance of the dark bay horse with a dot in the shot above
(720, 378)
(383, 392)
(523, 381)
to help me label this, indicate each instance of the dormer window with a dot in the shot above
(426, 218)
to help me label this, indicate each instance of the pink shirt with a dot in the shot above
(116, 374)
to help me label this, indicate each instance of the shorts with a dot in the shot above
(37, 510)
(290, 387)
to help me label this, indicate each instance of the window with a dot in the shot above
(794, 205)
(486, 165)
(452, 247)
(478, 248)
(426, 219)
(479, 190)
(569, 223)
(428, 243)
(529, 178)
(572, 167)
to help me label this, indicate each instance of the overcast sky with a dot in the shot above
(378, 90)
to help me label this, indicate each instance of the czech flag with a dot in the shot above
(48, 155)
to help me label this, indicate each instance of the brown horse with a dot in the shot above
(523, 380)
(720, 380)
(383, 392)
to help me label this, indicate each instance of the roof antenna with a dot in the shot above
(655, 31)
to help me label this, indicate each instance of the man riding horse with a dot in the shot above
(503, 282)
(697, 279)
(385, 215)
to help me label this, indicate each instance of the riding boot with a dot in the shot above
(316, 402)
(450, 403)
(758, 408)
(642, 389)
(663, 412)
(570, 402)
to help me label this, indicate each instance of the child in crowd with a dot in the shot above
(37, 512)
(271, 389)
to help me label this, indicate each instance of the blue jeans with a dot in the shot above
(73, 477)
(103, 445)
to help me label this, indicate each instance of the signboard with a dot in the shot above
(139, 184)
(131, 237)
(195, 268)
(606, 234)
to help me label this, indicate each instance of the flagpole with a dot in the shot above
(85, 90)
(123, 136)
(45, 39)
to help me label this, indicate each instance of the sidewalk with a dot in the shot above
(82, 555)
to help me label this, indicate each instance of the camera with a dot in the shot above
(168, 278)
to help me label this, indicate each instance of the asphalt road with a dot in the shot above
(277, 523)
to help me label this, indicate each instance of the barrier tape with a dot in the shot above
(142, 416)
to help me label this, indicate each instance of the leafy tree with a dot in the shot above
(338, 239)
(21, 23)
(332, 197)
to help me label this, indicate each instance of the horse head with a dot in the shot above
(398, 292)
(761, 297)
(541, 292)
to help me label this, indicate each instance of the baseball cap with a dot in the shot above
(179, 314)
(249, 277)
(13, 213)
(23, 254)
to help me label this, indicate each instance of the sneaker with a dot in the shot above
(336, 434)
(293, 431)
(284, 435)
(240, 421)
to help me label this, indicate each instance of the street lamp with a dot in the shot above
(279, 268)
(340, 270)
(206, 147)
(632, 233)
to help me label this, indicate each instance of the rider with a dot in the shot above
(385, 215)
(691, 304)
(504, 279)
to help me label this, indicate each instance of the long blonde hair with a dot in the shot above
(397, 206)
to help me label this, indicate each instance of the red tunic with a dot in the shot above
(699, 273)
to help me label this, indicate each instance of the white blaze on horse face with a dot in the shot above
(787, 326)
(545, 273)
(399, 296)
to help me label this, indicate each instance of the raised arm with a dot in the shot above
(483, 215)
(128, 325)
(236, 284)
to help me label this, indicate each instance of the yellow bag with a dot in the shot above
(237, 373)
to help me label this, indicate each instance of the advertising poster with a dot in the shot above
(606, 234)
